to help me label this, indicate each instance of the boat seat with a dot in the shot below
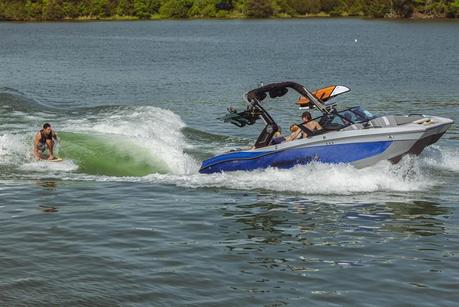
(384, 121)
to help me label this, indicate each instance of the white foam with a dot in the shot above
(14, 149)
(154, 129)
(315, 178)
(312, 179)
(48, 166)
(441, 158)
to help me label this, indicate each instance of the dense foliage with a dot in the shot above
(147, 9)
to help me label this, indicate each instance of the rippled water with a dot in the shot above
(127, 220)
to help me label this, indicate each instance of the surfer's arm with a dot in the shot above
(56, 137)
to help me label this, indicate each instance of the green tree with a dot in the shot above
(452, 9)
(403, 8)
(58, 9)
(377, 8)
(204, 8)
(281, 7)
(436, 8)
(34, 9)
(259, 8)
(71, 10)
(125, 8)
(224, 5)
(14, 11)
(153, 6)
(329, 5)
(2, 11)
(52, 10)
(355, 7)
(141, 9)
(176, 8)
(303, 7)
(100, 8)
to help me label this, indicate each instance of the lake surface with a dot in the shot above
(126, 220)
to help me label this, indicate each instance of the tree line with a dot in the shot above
(25, 10)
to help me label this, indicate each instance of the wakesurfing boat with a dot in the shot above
(353, 135)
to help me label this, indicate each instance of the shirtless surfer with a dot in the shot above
(44, 139)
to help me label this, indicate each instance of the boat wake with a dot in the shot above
(440, 158)
(410, 175)
(315, 178)
(153, 145)
(128, 141)
(115, 141)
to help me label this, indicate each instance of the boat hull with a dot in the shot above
(339, 153)
(430, 136)
(360, 148)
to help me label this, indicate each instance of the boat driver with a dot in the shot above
(309, 123)
(44, 139)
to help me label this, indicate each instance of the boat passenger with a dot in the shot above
(347, 118)
(296, 133)
(278, 138)
(308, 123)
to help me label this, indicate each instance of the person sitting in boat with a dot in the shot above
(295, 133)
(347, 118)
(44, 139)
(277, 137)
(308, 123)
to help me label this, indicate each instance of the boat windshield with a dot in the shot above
(356, 115)
(339, 120)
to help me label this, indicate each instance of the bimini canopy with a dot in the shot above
(314, 99)
(275, 90)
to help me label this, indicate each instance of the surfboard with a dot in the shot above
(55, 160)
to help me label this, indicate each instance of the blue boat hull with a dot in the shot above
(290, 157)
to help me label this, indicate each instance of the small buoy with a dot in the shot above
(355, 40)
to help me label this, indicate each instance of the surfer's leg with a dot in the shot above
(37, 151)
(50, 144)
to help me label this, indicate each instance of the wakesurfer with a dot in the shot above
(44, 139)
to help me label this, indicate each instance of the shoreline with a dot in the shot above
(158, 18)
